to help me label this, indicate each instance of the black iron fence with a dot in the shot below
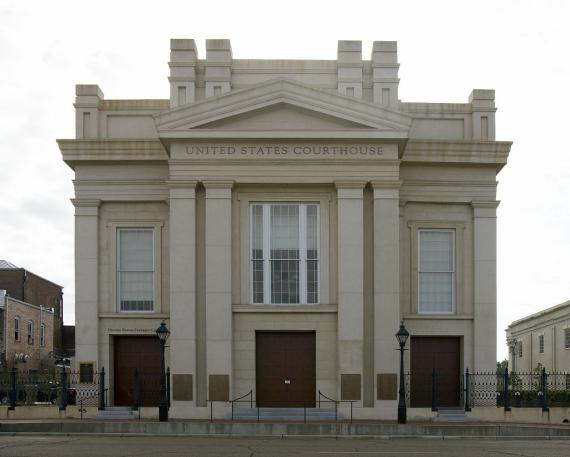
(59, 387)
(537, 389)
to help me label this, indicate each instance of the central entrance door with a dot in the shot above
(140, 354)
(285, 365)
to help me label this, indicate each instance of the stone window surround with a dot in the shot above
(113, 228)
(566, 337)
(540, 338)
(302, 225)
(459, 228)
(323, 199)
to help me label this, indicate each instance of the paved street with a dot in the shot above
(103, 446)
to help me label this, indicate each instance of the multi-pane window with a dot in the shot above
(17, 328)
(436, 271)
(30, 332)
(135, 265)
(284, 253)
(520, 348)
(42, 334)
(541, 344)
(567, 338)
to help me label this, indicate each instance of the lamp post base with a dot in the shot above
(163, 413)
(402, 415)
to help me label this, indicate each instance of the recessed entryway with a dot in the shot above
(141, 353)
(439, 355)
(285, 369)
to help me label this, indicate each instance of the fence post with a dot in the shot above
(102, 389)
(507, 400)
(434, 391)
(544, 382)
(168, 387)
(63, 382)
(467, 390)
(13, 389)
(136, 390)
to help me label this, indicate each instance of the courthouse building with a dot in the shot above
(283, 217)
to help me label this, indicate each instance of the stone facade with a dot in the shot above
(238, 140)
(30, 344)
(541, 340)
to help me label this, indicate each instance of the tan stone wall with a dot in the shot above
(124, 215)
(39, 355)
(244, 326)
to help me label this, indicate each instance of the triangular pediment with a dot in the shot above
(282, 108)
(283, 116)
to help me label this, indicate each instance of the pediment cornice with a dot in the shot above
(360, 118)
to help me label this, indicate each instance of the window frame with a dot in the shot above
(414, 227)
(17, 328)
(42, 334)
(266, 256)
(30, 328)
(541, 343)
(114, 305)
(453, 272)
(119, 271)
(82, 375)
(519, 349)
(566, 337)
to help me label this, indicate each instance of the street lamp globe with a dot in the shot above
(162, 332)
(402, 335)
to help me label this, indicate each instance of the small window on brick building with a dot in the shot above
(86, 372)
(17, 328)
(30, 332)
(43, 335)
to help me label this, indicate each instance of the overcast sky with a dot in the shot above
(445, 49)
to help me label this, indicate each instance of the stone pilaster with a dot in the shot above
(218, 285)
(385, 73)
(87, 280)
(485, 284)
(350, 281)
(218, 76)
(183, 59)
(349, 68)
(87, 99)
(386, 280)
(182, 341)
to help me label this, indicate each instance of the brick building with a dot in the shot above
(26, 334)
(25, 286)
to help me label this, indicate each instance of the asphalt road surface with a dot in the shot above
(146, 446)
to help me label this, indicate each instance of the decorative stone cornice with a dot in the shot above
(494, 204)
(74, 151)
(381, 184)
(457, 151)
(218, 184)
(357, 184)
(86, 202)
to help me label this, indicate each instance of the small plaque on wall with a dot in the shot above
(387, 386)
(182, 387)
(350, 388)
(219, 387)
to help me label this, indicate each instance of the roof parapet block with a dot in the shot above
(183, 59)
(218, 75)
(349, 68)
(385, 73)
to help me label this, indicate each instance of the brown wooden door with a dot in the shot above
(285, 369)
(439, 355)
(139, 353)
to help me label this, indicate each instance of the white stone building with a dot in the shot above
(283, 217)
(541, 340)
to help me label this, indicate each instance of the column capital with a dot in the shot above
(181, 189)
(386, 189)
(86, 202)
(485, 204)
(218, 184)
(350, 184)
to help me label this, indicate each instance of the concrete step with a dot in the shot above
(452, 415)
(116, 412)
(285, 413)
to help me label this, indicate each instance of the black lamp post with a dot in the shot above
(162, 332)
(402, 337)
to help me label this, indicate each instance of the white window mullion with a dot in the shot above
(266, 254)
(303, 254)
